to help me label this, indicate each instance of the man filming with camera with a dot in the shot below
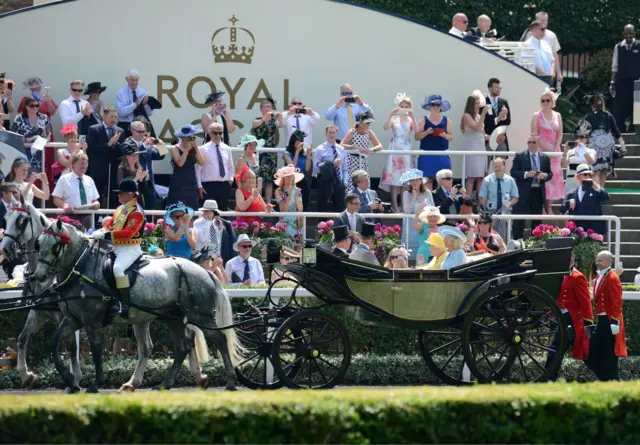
(586, 200)
(369, 202)
(299, 117)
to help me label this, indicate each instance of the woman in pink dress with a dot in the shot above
(548, 125)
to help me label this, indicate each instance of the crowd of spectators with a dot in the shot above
(106, 144)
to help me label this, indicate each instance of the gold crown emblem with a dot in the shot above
(238, 49)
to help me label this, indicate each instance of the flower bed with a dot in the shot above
(262, 232)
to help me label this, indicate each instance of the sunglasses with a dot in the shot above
(296, 103)
(545, 100)
(395, 257)
(436, 105)
(77, 91)
(465, 21)
(448, 178)
(139, 131)
(586, 175)
(245, 246)
(34, 106)
(178, 216)
(346, 93)
(532, 142)
(191, 138)
(218, 133)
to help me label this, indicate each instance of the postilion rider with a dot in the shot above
(124, 231)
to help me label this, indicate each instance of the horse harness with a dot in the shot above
(22, 223)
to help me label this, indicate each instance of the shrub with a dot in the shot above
(596, 74)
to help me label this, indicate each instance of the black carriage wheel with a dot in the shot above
(253, 372)
(318, 343)
(511, 328)
(446, 345)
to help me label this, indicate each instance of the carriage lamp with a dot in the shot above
(309, 252)
(273, 251)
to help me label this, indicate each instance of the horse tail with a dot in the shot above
(202, 351)
(224, 317)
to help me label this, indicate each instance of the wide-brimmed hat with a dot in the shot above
(31, 82)
(179, 206)
(249, 138)
(131, 148)
(435, 239)
(94, 86)
(407, 176)
(340, 233)
(127, 185)
(452, 231)
(583, 168)
(243, 238)
(497, 132)
(186, 131)
(365, 117)
(431, 211)
(368, 230)
(436, 99)
(288, 170)
(210, 204)
(211, 97)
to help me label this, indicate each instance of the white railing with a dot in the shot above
(520, 53)
(395, 216)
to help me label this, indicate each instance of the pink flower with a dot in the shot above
(537, 232)
(378, 227)
(266, 225)
(590, 231)
(160, 221)
(579, 230)
(330, 223)
(256, 230)
(571, 225)
(149, 227)
(322, 225)
(596, 237)
(397, 228)
(378, 233)
(565, 232)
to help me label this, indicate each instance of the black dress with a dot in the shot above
(604, 134)
(183, 186)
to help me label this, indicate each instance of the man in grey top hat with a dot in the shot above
(362, 251)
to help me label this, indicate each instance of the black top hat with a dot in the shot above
(128, 185)
(131, 148)
(154, 103)
(94, 86)
(213, 96)
(340, 233)
(368, 230)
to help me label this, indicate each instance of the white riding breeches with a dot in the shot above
(125, 256)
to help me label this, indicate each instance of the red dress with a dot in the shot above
(49, 152)
(255, 206)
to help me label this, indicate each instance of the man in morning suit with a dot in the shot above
(575, 303)
(531, 169)
(586, 200)
(350, 216)
(362, 252)
(499, 113)
(103, 149)
(607, 339)
(341, 241)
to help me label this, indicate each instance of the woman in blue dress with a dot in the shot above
(289, 199)
(180, 239)
(301, 158)
(434, 132)
(454, 241)
(414, 199)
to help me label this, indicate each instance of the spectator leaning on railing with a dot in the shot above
(215, 174)
(499, 194)
(180, 238)
(77, 191)
(214, 232)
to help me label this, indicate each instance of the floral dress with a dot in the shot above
(291, 221)
(268, 161)
(396, 165)
(22, 125)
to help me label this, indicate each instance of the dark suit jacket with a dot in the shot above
(98, 149)
(146, 161)
(522, 164)
(343, 220)
(591, 205)
(475, 32)
(339, 252)
(490, 119)
(441, 200)
(371, 194)
(228, 240)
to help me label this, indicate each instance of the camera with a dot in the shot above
(350, 99)
(458, 186)
(587, 184)
(301, 110)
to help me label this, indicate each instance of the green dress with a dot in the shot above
(268, 161)
(423, 246)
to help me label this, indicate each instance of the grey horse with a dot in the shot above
(173, 289)
(24, 223)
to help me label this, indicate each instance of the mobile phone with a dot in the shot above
(306, 145)
(350, 99)
(82, 138)
(47, 90)
(259, 183)
(301, 110)
(10, 86)
(572, 143)
(587, 184)
(403, 111)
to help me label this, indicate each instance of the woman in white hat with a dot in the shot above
(424, 224)
(289, 199)
(414, 199)
(250, 144)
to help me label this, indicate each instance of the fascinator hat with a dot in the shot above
(582, 130)
(402, 97)
(213, 97)
(32, 82)
(478, 95)
(436, 99)
(68, 129)
(289, 170)
(364, 117)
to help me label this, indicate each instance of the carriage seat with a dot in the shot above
(132, 272)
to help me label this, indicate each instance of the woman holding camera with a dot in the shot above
(266, 127)
(218, 113)
(184, 157)
(301, 158)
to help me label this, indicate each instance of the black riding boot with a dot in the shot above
(122, 283)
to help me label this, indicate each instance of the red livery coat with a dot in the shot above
(576, 298)
(608, 297)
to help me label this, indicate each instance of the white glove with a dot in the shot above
(98, 234)
(615, 329)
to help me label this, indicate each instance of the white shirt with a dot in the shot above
(210, 171)
(306, 124)
(126, 105)
(68, 189)
(68, 113)
(614, 60)
(203, 237)
(353, 220)
(236, 264)
(544, 56)
(456, 32)
(601, 273)
(7, 206)
(549, 37)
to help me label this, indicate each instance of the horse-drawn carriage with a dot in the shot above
(487, 320)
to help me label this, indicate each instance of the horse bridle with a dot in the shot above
(21, 229)
(57, 249)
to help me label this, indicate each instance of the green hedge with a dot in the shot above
(369, 370)
(559, 413)
(364, 339)
(581, 25)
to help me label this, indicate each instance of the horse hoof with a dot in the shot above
(127, 387)
(204, 382)
(30, 381)
(230, 388)
(72, 390)
(92, 390)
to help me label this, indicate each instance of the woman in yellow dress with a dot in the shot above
(438, 251)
